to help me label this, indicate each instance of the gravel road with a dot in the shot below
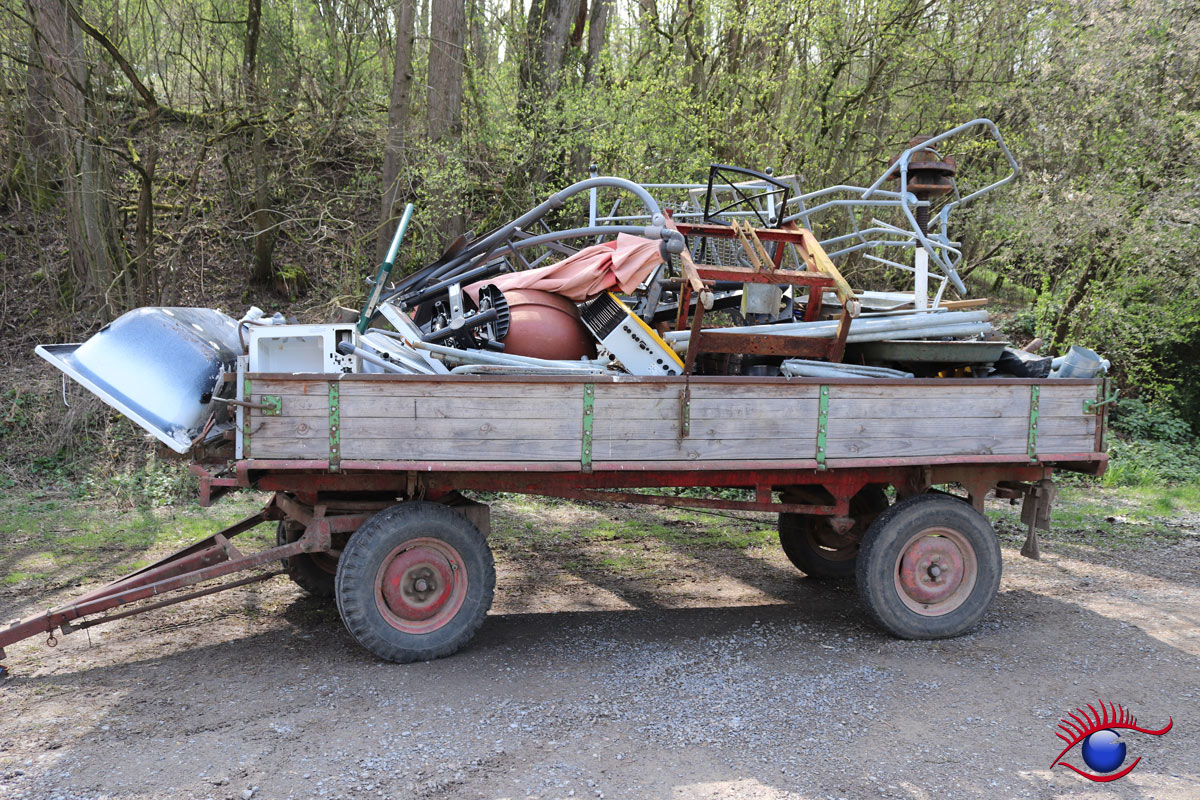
(728, 677)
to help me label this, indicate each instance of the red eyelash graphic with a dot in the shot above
(1101, 720)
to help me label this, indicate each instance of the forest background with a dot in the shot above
(234, 152)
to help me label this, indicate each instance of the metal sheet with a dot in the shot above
(158, 366)
(932, 352)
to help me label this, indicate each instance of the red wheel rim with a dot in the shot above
(421, 585)
(936, 571)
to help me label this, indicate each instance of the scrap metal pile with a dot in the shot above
(730, 280)
(739, 249)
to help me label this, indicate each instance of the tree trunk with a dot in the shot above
(547, 34)
(398, 108)
(264, 233)
(42, 127)
(597, 28)
(444, 117)
(97, 257)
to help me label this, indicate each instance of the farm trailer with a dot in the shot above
(367, 472)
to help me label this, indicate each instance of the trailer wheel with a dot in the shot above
(816, 549)
(312, 572)
(415, 582)
(929, 567)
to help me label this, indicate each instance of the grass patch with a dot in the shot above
(49, 540)
(1107, 519)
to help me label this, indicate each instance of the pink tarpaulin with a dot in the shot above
(623, 263)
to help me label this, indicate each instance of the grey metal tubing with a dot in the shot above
(371, 358)
(862, 369)
(928, 320)
(819, 369)
(947, 332)
(964, 331)
(525, 369)
(552, 203)
(673, 238)
(500, 359)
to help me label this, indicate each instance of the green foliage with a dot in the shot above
(1155, 447)
(1152, 463)
(1140, 420)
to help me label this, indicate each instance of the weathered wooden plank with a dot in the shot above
(289, 427)
(606, 427)
(1067, 426)
(480, 428)
(702, 391)
(949, 393)
(533, 408)
(978, 407)
(448, 388)
(1016, 427)
(290, 386)
(290, 447)
(294, 405)
(704, 449)
(1062, 406)
(668, 408)
(508, 450)
(940, 446)
(1048, 445)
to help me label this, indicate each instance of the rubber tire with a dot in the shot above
(880, 549)
(363, 556)
(302, 569)
(793, 536)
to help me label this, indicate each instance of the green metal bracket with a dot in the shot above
(335, 427)
(1102, 399)
(246, 419)
(1035, 393)
(822, 426)
(685, 412)
(273, 405)
(589, 415)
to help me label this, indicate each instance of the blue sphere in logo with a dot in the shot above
(1103, 751)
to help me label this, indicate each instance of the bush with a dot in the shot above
(1159, 423)
(1153, 446)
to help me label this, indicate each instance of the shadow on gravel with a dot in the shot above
(667, 681)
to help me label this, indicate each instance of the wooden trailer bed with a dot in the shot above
(703, 423)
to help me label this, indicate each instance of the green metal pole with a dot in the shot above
(385, 271)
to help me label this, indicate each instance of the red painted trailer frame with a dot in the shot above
(329, 505)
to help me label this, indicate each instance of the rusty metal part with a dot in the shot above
(935, 571)
(927, 178)
(421, 585)
(208, 559)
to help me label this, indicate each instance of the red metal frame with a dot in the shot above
(328, 503)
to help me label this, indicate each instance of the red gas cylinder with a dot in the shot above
(546, 325)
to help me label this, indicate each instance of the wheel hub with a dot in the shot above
(420, 585)
(935, 572)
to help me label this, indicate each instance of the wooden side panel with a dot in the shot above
(509, 421)
(890, 421)
(642, 422)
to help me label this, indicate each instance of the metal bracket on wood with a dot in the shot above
(246, 420)
(1103, 398)
(685, 411)
(589, 414)
(335, 427)
(1035, 393)
(822, 426)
